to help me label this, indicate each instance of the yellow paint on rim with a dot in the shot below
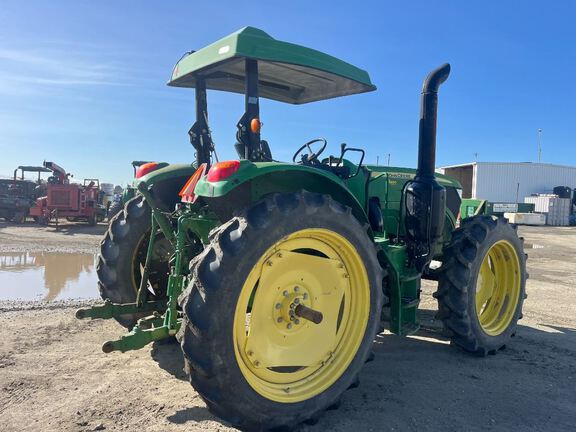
(286, 358)
(498, 288)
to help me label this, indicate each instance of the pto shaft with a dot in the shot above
(309, 314)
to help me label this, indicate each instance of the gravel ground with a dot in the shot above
(53, 376)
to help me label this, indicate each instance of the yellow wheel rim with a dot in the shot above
(287, 358)
(498, 288)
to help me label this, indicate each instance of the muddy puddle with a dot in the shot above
(47, 276)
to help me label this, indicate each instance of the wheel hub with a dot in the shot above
(284, 312)
(498, 288)
(278, 336)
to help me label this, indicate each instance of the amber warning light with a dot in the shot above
(255, 125)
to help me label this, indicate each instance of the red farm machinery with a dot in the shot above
(73, 201)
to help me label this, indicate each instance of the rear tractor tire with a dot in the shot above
(252, 355)
(123, 254)
(114, 209)
(482, 284)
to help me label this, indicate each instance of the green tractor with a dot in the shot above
(275, 277)
(140, 168)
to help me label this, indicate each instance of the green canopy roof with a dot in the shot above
(287, 72)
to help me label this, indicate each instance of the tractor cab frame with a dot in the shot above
(18, 194)
(27, 168)
(254, 64)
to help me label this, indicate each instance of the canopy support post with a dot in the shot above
(199, 133)
(252, 109)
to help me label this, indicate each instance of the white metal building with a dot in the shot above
(509, 181)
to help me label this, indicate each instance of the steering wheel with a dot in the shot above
(312, 156)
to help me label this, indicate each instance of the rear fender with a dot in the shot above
(165, 183)
(252, 181)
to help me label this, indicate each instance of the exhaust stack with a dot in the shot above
(428, 117)
(424, 197)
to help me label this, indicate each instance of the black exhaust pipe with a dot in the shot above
(424, 197)
(428, 117)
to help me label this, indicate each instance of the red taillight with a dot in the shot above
(144, 169)
(187, 192)
(222, 170)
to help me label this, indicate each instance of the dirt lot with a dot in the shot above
(53, 376)
(70, 237)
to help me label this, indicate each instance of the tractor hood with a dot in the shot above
(287, 72)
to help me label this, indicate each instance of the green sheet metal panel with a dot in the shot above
(388, 183)
(472, 207)
(287, 72)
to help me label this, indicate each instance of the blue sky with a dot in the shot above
(82, 83)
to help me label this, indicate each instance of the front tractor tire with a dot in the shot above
(482, 284)
(123, 255)
(254, 358)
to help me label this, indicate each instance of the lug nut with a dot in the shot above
(289, 326)
(296, 321)
(250, 353)
(256, 363)
(296, 301)
(296, 288)
(269, 262)
(285, 293)
(278, 306)
(280, 319)
(305, 296)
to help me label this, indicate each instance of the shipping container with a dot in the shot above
(558, 210)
